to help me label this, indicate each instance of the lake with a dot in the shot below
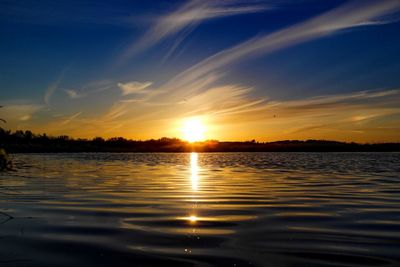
(205, 209)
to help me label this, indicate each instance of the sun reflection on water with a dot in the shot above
(194, 180)
(193, 218)
(194, 171)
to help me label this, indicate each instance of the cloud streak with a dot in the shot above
(91, 88)
(359, 112)
(20, 112)
(344, 17)
(133, 87)
(51, 89)
(70, 118)
(186, 18)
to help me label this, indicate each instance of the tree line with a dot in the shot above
(27, 142)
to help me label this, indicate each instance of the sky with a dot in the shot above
(265, 70)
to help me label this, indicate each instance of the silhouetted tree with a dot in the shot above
(98, 140)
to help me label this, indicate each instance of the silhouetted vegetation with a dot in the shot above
(27, 142)
(5, 161)
(2, 120)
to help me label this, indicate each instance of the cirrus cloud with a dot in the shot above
(184, 19)
(133, 87)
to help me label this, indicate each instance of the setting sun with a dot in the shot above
(193, 130)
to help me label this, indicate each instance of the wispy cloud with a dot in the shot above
(70, 118)
(91, 88)
(186, 18)
(19, 112)
(52, 88)
(344, 17)
(389, 99)
(73, 94)
(360, 112)
(133, 87)
(116, 111)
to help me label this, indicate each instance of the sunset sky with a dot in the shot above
(264, 70)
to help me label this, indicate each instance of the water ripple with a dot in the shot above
(211, 209)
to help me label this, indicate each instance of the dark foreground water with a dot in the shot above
(222, 209)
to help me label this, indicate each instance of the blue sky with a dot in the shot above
(267, 70)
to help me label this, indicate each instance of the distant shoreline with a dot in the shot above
(157, 146)
(188, 152)
(27, 142)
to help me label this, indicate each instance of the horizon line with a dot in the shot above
(251, 140)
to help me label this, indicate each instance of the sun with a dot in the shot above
(193, 130)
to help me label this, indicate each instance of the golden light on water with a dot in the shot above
(194, 181)
(193, 129)
(194, 171)
(193, 218)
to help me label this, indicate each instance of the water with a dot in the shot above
(222, 209)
